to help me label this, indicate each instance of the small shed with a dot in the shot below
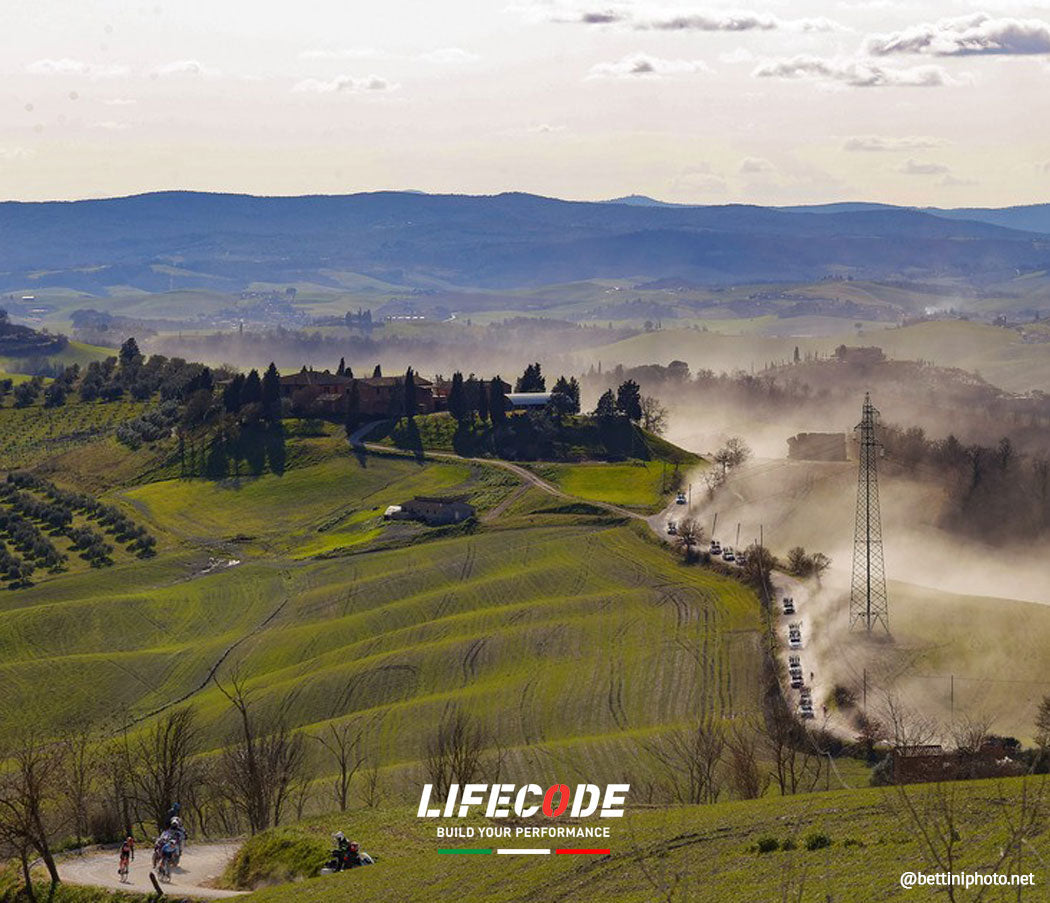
(523, 400)
(434, 510)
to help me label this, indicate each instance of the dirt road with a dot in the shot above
(200, 866)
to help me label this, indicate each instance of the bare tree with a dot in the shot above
(455, 752)
(819, 563)
(969, 735)
(344, 745)
(78, 777)
(262, 758)
(690, 758)
(1042, 727)
(713, 480)
(733, 453)
(759, 564)
(373, 791)
(654, 415)
(30, 802)
(795, 766)
(906, 727)
(745, 776)
(158, 763)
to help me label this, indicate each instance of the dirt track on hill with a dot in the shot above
(200, 866)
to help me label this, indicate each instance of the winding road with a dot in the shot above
(201, 865)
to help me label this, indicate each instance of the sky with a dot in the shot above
(920, 103)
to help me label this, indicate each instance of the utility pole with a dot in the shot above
(738, 535)
(868, 601)
(714, 525)
(865, 690)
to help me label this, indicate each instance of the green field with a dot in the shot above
(697, 854)
(73, 353)
(384, 626)
(642, 484)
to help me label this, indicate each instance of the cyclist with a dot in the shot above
(127, 854)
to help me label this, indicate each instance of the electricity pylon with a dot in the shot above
(868, 602)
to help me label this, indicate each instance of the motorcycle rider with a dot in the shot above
(357, 857)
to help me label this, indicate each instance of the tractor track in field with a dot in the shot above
(214, 668)
(470, 659)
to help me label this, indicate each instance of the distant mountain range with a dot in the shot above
(409, 239)
(1027, 218)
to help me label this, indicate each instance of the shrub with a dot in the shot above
(789, 844)
(817, 841)
(768, 844)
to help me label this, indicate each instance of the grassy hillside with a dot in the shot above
(862, 841)
(642, 484)
(74, 353)
(631, 642)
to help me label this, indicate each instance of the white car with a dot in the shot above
(672, 528)
(680, 499)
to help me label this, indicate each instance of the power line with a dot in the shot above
(868, 601)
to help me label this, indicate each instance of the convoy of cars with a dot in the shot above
(796, 677)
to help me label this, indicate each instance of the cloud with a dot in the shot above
(977, 34)
(347, 53)
(879, 143)
(193, 68)
(918, 168)
(641, 65)
(120, 102)
(544, 128)
(345, 84)
(450, 55)
(740, 55)
(699, 179)
(442, 55)
(15, 153)
(110, 125)
(854, 73)
(951, 181)
(66, 66)
(752, 165)
(694, 20)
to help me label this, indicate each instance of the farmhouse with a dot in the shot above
(931, 762)
(817, 447)
(519, 401)
(433, 510)
(377, 396)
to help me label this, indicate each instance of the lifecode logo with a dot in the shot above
(526, 801)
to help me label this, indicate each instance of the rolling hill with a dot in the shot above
(296, 583)
(226, 242)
